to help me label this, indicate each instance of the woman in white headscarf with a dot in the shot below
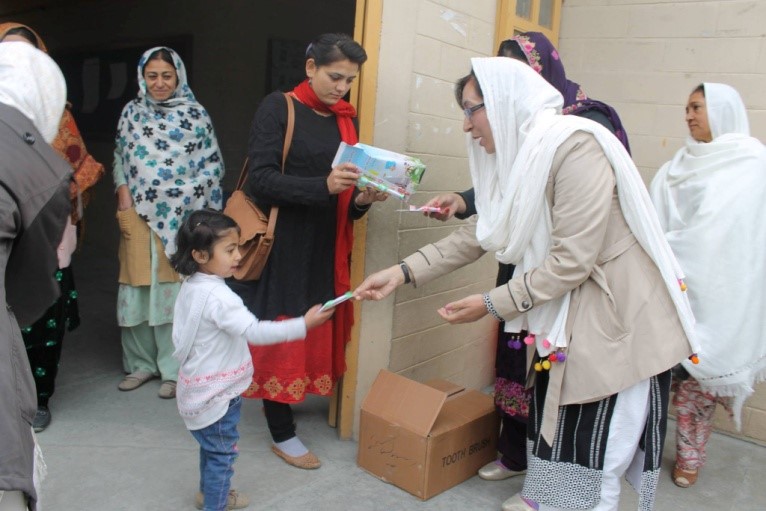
(710, 201)
(595, 283)
(34, 208)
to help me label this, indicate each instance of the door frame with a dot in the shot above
(367, 25)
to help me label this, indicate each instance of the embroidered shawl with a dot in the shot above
(543, 57)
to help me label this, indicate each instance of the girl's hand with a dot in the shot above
(314, 317)
(370, 195)
(379, 285)
(467, 310)
(450, 203)
(124, 199)
(342, 177)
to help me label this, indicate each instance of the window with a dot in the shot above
(516, 16)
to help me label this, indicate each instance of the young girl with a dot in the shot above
(210, 327)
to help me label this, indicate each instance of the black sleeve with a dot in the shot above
(265, 182)
(470, 204)
(356, 212)
(599, 117)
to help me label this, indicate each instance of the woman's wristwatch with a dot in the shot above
(406, 271)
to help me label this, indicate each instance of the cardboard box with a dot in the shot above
(425, 438)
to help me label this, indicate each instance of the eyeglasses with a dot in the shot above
(471, 109)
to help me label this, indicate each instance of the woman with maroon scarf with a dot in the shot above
(309, 262)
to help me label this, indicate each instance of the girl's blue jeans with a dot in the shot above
(218, 451)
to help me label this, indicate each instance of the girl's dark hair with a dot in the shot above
(25, 33)
(329, 48)
(510, 48)
(161, 54)
(199, 231)
(460, 85)
(700, 88)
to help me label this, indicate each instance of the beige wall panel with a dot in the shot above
(479, 273)
(436, 135)
(621, 55)
(432, 58)
(593, 22)
(606, 86)
(482, 9)
(654, 150)
(755, 426)
(444, 173)
(434, 96)
(412, 349)
(758, 122)
(419, 314)
(455, 366)
(741, 19)
(731, 55)
(676, 19)
(455, 27)
(760, 62)
(635, 117)
(666, 121)
(758, 400)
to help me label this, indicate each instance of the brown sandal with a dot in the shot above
(684, 478)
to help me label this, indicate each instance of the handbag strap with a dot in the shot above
(285, 149)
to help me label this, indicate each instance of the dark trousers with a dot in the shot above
(279, 417)
(511, 365)
(43, 339)
(512, 443)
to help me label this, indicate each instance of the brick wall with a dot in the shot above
(644, 57)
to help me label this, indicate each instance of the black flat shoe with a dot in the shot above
(42, 419)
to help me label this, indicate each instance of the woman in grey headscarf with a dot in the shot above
(34, 208)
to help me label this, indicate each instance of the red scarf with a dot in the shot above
(343, 319)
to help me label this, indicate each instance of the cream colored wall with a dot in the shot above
(425, 46)
(645, 56)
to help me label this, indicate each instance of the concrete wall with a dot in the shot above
(425, 46)
(644, 57)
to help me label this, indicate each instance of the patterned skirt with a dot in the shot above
(568, 474)
(287, 371)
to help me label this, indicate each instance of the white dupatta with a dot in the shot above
(710, 199)
(514, 217)
(32, 83)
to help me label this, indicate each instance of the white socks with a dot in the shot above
(292, 447)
